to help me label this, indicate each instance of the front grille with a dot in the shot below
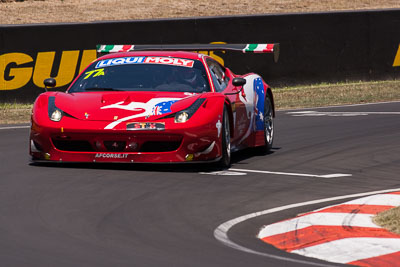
(115, 146)
(130, 144)
(73, 145)
(157, 146)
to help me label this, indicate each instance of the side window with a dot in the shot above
(220, 80)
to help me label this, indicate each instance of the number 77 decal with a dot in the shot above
(97, 72)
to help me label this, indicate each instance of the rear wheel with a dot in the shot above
(225, 160)
(268, 125)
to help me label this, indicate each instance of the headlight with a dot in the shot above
(181, 116)
(184, 115)
(56, 115)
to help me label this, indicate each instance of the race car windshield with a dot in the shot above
(141, 74)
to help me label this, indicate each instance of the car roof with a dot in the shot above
(178, 54)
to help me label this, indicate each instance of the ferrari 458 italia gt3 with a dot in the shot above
(155, 104)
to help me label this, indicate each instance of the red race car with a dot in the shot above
(155, 104)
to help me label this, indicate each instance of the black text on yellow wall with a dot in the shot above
(18, 69)
(396, 62)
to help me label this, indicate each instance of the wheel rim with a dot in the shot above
(268, 122)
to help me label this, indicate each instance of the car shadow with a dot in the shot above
(188, 167)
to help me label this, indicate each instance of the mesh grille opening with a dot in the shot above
(160, 146)
(73, 145)
(115, 146)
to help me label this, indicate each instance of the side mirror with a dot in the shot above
(238, 81)
(49, 82)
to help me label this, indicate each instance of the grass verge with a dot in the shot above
(285, 98)
(389, 219)
(15, 113)
(336, 94)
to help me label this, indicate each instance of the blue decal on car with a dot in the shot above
(162, 107)
(259, 89)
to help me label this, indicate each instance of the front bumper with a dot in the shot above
(88, 141)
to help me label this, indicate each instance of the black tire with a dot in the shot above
(268, 125)
(225, 161)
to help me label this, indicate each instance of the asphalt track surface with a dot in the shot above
(157, 215)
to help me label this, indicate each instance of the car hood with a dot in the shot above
(112, 106)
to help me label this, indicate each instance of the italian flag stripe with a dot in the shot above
(127, 48)
(114, 48)
(259, 48)
(108, 48)
(252, 47)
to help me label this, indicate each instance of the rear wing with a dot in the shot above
(245, 48)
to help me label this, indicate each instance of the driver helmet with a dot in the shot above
(189, 75)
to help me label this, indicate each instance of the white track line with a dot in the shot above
(221, 232)
(224, 173)
(312, 113)
(15, 127)
(326, 176)
(341, 106)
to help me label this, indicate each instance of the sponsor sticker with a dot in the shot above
(145, 60)
(111, 155)
(219, 127)
(153, 126)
